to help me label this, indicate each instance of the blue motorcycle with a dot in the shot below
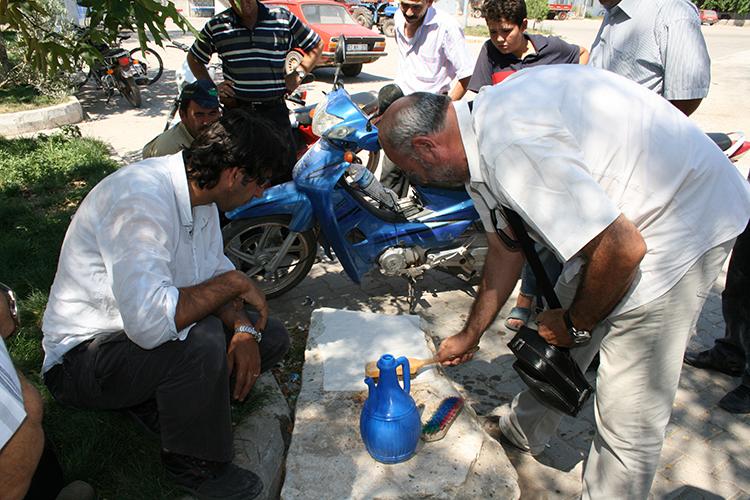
(335, 201)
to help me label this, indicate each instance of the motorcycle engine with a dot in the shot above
(396, 259)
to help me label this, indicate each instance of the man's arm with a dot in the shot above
(501, 271)
(459, 90)
(198, 68)
(307, 64)
(612, 260)
(583, 57)
(687, 106)
(198, 301)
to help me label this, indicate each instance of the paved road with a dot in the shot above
(707, 451)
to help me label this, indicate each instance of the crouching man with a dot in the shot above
(146, 313)
(637, 202)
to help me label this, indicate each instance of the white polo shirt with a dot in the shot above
(571, 147)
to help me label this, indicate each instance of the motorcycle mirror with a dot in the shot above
(387, 96)
(339, 55)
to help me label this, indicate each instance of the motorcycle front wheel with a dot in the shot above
(150, 63)
(130, 90)
(264, 249)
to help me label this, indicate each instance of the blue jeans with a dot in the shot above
(551, 265)
(189, 379)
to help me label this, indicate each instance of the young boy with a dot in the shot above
(510, 49)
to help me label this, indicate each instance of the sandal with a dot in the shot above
(521, 313)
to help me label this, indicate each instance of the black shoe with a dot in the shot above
(709, 360)
(145, 417)
(737, 401)
(208, 480)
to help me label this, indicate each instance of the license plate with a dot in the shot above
(356, 47)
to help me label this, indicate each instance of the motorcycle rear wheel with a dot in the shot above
(130, 90)
(251, 244)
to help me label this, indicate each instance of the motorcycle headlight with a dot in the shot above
(322, 120)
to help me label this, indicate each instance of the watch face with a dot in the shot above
(10, 296)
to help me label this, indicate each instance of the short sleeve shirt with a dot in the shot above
(438, 53)
(657, 44)
(493, 66)
(570, 174)
(12, 411)
(170, 142)
(253, 59)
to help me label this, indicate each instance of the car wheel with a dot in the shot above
(293, 59)
(477, 13)
(363, 15)
(389, 28)
(352, 69)
(562, 16)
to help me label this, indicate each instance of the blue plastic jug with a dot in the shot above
(390, 423)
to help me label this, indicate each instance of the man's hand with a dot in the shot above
(552, 328)
(243, 352)
(7, 326)
(292, 81)
(226, 94)
(255, 297)
(455, 350)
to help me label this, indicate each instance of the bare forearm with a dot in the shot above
(458, 92)
(501, 271)
(308, 61)
(197, 302)
(198, 68)
(583, 55)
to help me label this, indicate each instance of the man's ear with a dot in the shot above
(233, 175)
(182, 114)
(524, 25)
(424, 147)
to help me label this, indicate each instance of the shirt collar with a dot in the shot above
(469, 138)
(538, 41)
(181, 190)
(628, 7)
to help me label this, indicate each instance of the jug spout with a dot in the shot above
(373, 393)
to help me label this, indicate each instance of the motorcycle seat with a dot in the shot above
(722, 140)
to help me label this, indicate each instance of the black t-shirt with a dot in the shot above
(493, 66)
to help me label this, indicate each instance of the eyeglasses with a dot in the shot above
(260, 181)
(12, 306)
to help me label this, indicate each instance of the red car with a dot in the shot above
(708, 16)
(330, 19)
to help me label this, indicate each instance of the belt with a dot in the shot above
(260, 105)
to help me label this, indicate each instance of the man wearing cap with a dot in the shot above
(199, 108)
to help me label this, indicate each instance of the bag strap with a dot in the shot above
(527, 245)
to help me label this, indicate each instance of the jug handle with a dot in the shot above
(404, 362)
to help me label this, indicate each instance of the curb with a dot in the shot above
(22, 122)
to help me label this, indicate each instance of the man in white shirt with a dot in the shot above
(432, 52)
(658, 44)
(146, 311)
(639, 204)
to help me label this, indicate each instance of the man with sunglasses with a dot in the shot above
(199, 108)
(146, 314)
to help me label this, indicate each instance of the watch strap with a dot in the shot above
(252, 331)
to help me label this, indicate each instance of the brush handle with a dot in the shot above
(372, 370)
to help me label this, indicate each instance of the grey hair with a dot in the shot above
(424, 115)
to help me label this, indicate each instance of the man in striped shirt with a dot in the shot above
(252, 40)
(658, 44)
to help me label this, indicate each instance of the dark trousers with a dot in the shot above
(735, 306)
(189, 379)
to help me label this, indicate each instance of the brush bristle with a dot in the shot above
(441, 420)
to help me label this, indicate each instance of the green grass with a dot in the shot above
(26, 97)
(42, 181)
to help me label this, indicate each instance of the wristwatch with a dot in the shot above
(252, 331)
(10, 296)
(579, 336)
(301, 73)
